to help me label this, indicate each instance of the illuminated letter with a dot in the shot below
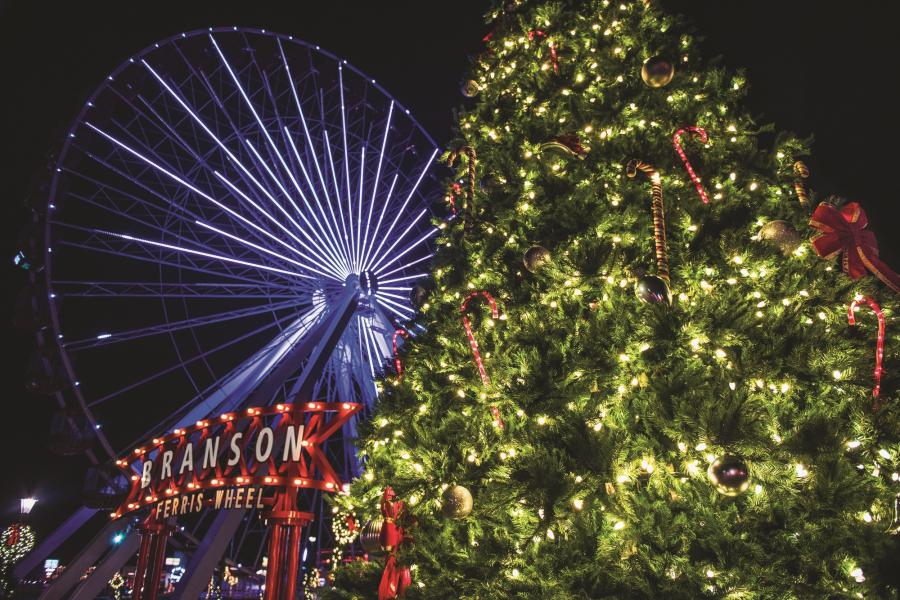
(166, 471)
(145, 476)
(292, 444)
(211, 452)
(187, 459)
(235, 450)
(265, 433)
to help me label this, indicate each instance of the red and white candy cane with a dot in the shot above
(454, 192)
(879, 346)
(468, 325)
(801, 172)
(699, 133)
(398, 364)
(495, 412)
(659, 215)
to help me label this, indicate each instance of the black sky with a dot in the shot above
(815, 68)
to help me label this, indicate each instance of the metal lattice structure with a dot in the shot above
(236, 216)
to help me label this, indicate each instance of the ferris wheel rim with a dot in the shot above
(81, 120)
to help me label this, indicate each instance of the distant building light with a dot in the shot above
(26, 504)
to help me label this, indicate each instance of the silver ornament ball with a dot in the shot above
(653, 290)
(730, 475)
(535, 258)
(370, 537)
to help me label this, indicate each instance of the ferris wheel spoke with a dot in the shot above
(348, 237)
(215, 138)
(188, 361)
(407, 278)
(406, 266)
(276, 222)
(200, 161)
(220, 257)
(334, 233)
(332, 244)
(376, 358)
(384, 208)
(387, 129)
(104, 246)
(346, 154)
(382, 294)
(407, 250)
(107, 338)
(273, 146)
(271, 252)
(363, 340)
(402, 210)
(311, 148)
(360, 202)
(376, 263)
(164, 290)
(92, 236)
(398, 309)
(184, 182)
(322, 246)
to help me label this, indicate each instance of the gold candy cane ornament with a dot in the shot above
(469, 151)
(654, 289)
(801, 172)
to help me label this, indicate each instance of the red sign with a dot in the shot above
(276, 446)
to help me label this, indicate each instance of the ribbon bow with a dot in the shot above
(395, 578)
(844, 232)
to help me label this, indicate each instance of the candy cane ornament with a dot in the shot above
(649, 288)
(879, 345)
(468, 325)
(469, 151)
(699, 133)
(398, 364)
(801, 172)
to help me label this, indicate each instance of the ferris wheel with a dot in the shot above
(235, 215)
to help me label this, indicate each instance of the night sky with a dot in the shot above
(815, 68)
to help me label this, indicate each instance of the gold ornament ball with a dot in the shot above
(730, 475)
(782, 235)
(458, 502)
(535, 258)
(470, 88)
(370, 537)
(657, 71)
(651, 289)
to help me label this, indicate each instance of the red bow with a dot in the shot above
(395, 578)
(844, 232)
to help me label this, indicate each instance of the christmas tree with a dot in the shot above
(668, 401)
